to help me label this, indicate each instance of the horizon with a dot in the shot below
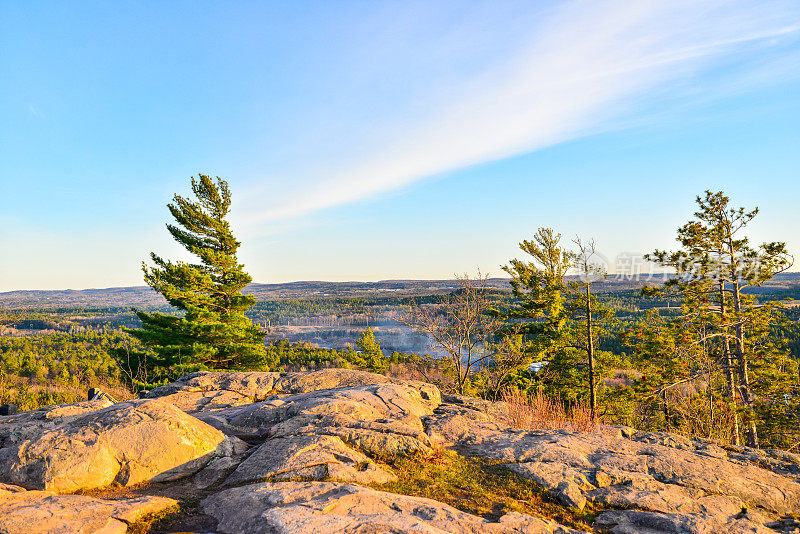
(368, 142)
(611, 278)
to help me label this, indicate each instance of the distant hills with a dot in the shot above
(143, 296)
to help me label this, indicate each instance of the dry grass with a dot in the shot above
(479, 486)
(538, 412)
(688, 415)
(186, 516)
(29, 394)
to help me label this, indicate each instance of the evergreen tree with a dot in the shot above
(537, 287)
(717, 259)
(212, 331)
(371, 349)
(559, 320)
(705, 306)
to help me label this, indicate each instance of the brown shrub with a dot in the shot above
(538, 412)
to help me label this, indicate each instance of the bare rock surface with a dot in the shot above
(329, 379)
(462, 419)
(215, 391)
(126, 443)
(294, 452)
(641, 522)
(679, 485)
(226, 457)
(26, 425)
(208, 391)
(377, 418)
(43, 512)
(315, 457)
(295, 507)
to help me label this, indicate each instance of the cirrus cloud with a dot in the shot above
(539, 77)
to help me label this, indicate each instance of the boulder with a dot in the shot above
(126, 443)
(209, 391)
(380, 419)
(17, 428)
(312, 457)
(300, 507)
(43, 512)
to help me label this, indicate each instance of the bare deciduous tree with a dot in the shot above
(508, 355)
(459, 325)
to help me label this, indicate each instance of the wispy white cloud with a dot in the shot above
(560, 74)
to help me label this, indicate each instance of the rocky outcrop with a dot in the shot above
(209, 391)
(383, 418)
(678, 484)
(126, 443)
(20, 427)
(43, 512)
(284, 507)
(305, 452)
(310, 457)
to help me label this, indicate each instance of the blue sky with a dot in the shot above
(377, 140)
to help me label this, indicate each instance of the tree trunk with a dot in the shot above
(710, 406)
(726, 351)
(590, 350)
(744, 380)
(463, 379)
(459, 380)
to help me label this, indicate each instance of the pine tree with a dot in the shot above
(560, 321)
(538, 287)
(717, 260)
(705, 308)
(212, 331)
(371, 349)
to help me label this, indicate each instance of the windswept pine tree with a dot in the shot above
(212, 331)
